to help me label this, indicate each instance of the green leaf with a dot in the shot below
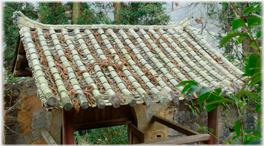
(256, 79)
(202, 98)
(218, 90)
(259, 89)
(205, 90)
(187, 82)
(210, 107)
(224, 3)
(246, 59)
(202, 128)
(258, 108)
(217, 101)
(229, 36)
(259, 34)
(193, 89)
(253, 44)
(247, 93)
(237, 23)
(187, 87)
(239, 40)
(259, 123)
(256, 141)
(211, 130)
(254, 21)
(237, 128)
(251, 9)
(254, 63)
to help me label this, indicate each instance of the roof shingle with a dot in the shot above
(102, 65)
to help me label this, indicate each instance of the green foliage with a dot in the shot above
(229, 36)
(259, 34)
(90, 16)
(250, 92)
(237, 23)
(145, 13)
(107, 135)
(52, 13)
(252, 8)
(11, 29)
(225, 19)
(254, 21)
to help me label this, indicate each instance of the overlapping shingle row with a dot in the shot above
(82, 67)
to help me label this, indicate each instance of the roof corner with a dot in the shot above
(186, 22)
(24, 21)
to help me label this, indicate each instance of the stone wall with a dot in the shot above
(183, 115)
(152, 131)
(26, 116)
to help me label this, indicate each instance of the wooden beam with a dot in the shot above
(67, 127)
(102, 123)
(45, 134)
(213, 124)
(174, 126)
(21, 49)
(182, 140)
(19, 73)
(18, 64)
(21, 57)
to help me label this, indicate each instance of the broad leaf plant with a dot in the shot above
(251, 92)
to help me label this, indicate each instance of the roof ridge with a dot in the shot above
(25, 21)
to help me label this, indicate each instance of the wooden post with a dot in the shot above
(213, 124)
(67, 127)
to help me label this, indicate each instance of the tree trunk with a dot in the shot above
(134, 8)
(118, 6)
(76, 12)
(246, 42)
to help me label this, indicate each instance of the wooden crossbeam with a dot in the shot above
(174, 126)
(182, 140)
(102, 123)
(21, 57)
(19, 73)
(45, 134)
